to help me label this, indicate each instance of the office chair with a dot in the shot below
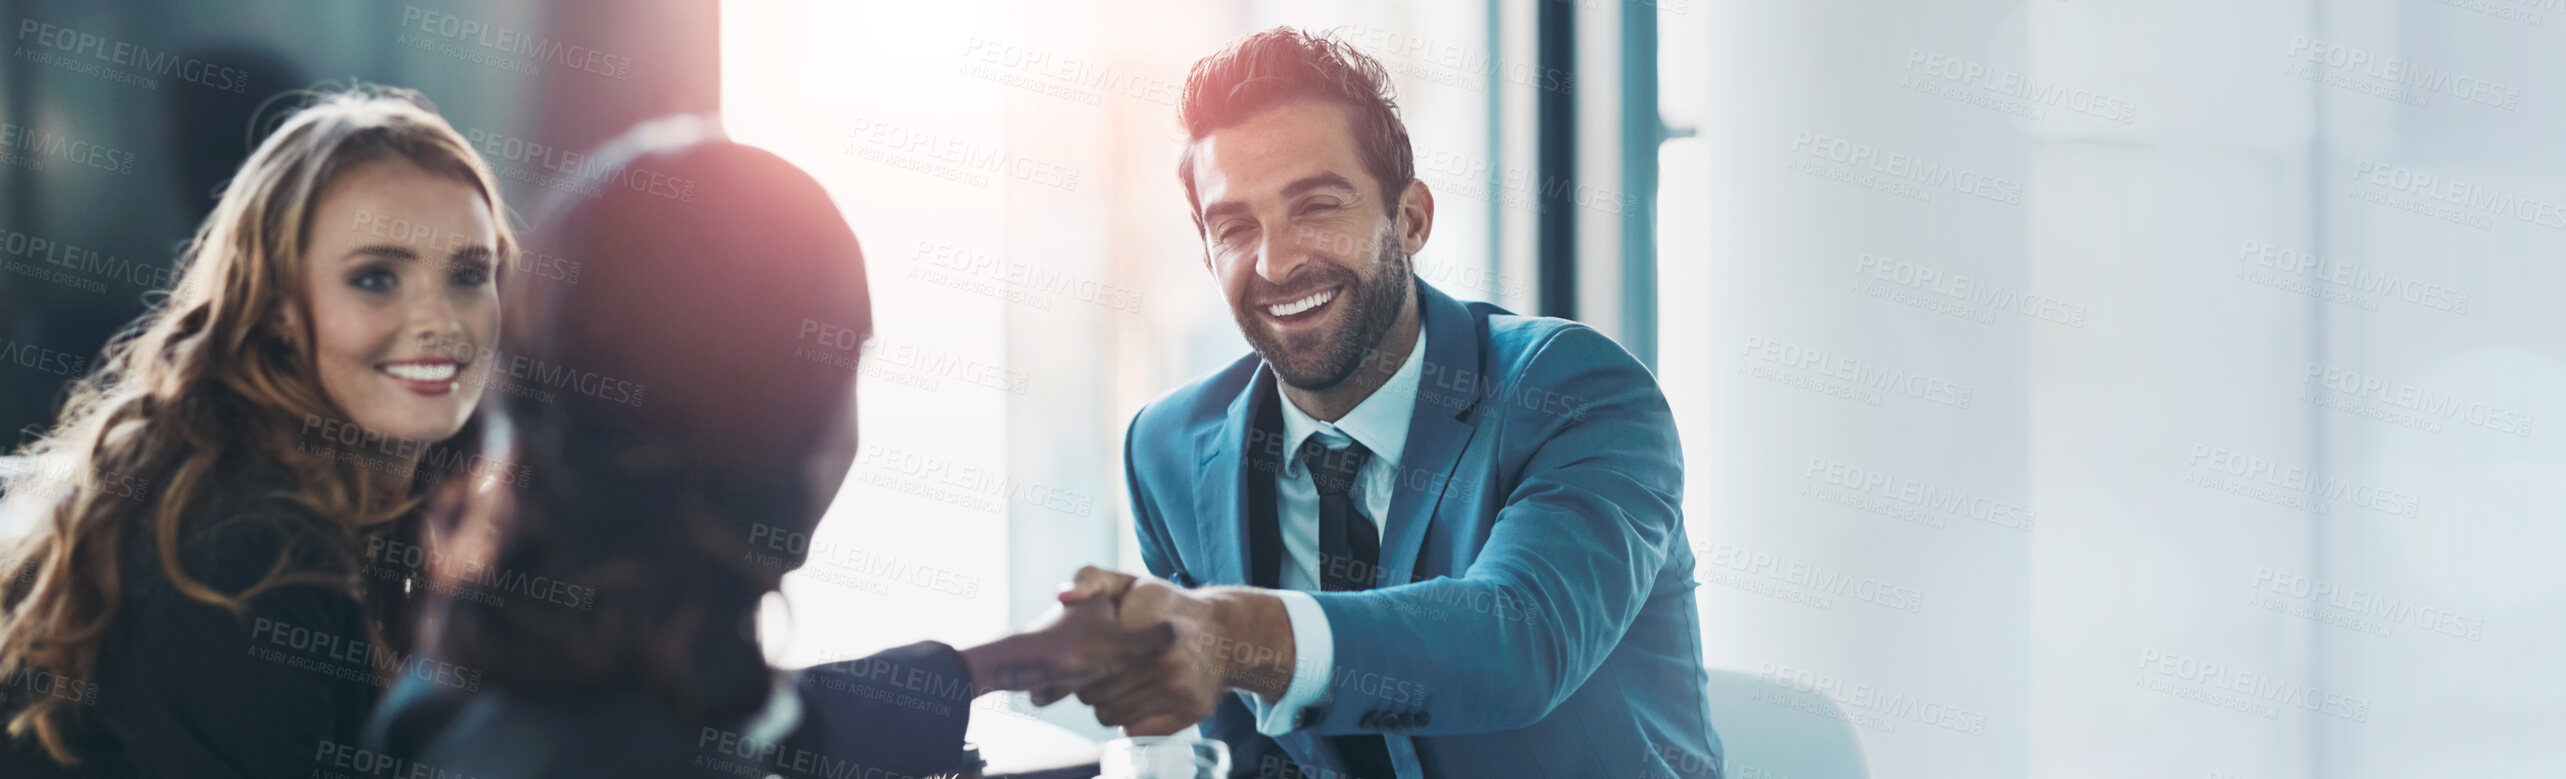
(1775, 731)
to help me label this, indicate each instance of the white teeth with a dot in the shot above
(415, 372)
(1304, 304)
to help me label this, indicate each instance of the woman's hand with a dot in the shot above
(1074, 644)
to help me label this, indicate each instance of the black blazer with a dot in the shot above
(898, 713)
(185, 688)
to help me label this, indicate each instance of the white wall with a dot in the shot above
(2183, 356)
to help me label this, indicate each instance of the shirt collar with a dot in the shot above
(781, 715)
(1380, 422)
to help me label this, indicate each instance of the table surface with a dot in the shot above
(1012, 742)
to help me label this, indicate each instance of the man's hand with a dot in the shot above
(1093, 582)
(1074, 644)
(1226, 638)
(1090, 584)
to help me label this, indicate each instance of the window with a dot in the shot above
(1009, 169)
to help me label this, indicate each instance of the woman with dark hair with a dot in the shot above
(719, 317)
(192, 586)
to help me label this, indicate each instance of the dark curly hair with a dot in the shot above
(714, 260)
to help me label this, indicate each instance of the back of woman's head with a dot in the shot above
(669, 407)
(216, 376)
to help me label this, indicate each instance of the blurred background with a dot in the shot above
(2068, 388)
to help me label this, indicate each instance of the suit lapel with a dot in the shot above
(1449, 393)
(1220, 501)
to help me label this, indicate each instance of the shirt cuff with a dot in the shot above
(1313, 652)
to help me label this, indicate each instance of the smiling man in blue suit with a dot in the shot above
(1408, 536)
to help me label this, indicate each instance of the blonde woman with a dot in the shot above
(190, 590)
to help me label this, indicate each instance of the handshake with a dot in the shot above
(1151, 657)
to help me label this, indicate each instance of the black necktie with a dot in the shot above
(1349, 544)
(1349, 559)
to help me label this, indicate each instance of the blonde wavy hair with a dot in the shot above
(212, 376)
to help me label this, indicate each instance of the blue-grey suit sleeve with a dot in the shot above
(1156, 550)
(1569, 561)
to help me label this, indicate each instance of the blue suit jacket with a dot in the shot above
(1536, 615)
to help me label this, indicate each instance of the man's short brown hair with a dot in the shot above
(1284, 65)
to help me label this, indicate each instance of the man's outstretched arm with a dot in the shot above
(1570, 561)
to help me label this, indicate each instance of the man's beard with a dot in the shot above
(1323, 359)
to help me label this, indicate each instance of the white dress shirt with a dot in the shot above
(1380, 423)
